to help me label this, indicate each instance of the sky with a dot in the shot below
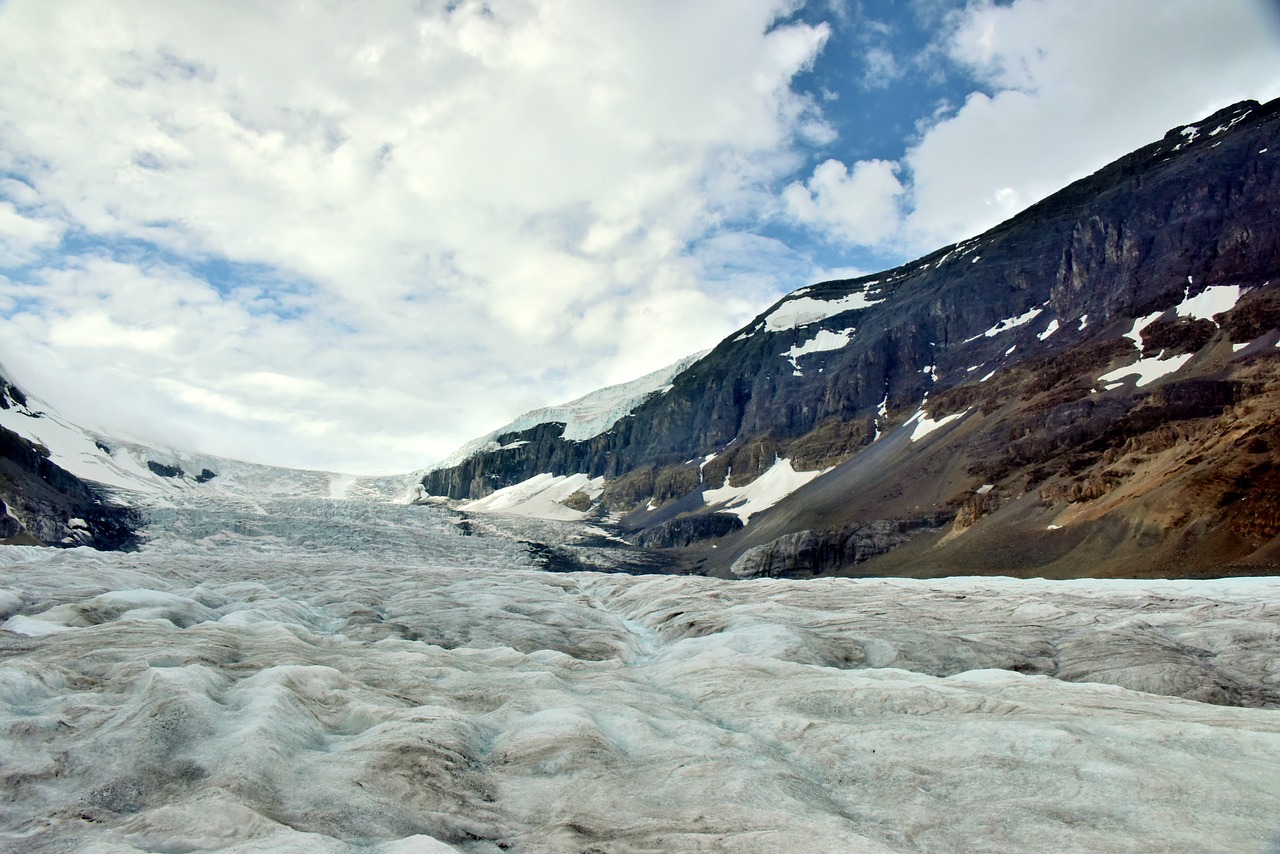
(353, 235)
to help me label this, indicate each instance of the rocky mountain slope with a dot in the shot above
(1088, 388)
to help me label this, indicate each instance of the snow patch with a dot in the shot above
(825, 340)
(1008, 323)
(1210, 301)
(1147, 370)
(799, 312)
(1135, 332)
(762, 493)
(1049, 330)
(925, 425)
(539, 497)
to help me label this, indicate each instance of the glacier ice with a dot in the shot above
(337, 676)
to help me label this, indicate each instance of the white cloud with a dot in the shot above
(882, 68)
(449, 211)
(1074, 84)
(385, 228)
(22, 237)
(859, 207)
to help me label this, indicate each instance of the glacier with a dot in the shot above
(298, 673)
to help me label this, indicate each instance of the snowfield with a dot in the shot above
(336, 676)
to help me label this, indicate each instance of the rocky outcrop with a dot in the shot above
(803, 554)
(685, 530)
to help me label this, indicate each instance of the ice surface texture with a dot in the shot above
(415, 692)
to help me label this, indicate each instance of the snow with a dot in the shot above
(1135, 331)
(882, 411)
(539, 497)
(1147, 370)
(438, 699)
(340, 485)
(923, 425)
(121, 466)
(587, 417)
(1229, 125)
(825, 340)
(1008, 323)
(762, 493)
(801, 311)
(1050, 329)
(75, 449)
(1210, 301)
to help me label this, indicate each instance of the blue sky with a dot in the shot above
(354, 235)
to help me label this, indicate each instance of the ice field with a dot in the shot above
(335, 676)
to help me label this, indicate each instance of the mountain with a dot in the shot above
(65, 485)
(1089, 388)
(43, 503)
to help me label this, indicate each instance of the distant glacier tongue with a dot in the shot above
(336, 676)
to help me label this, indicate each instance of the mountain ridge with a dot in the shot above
(821, 375)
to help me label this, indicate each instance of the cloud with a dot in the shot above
(354, 235)
(426, 217)
(882, 68)
(22, 238)
(859, 207)
(1065, 87)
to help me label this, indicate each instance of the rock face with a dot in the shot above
(1081, 345)
(43, 504)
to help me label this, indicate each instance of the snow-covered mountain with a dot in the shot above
(1092, 387)
(585, 418)
(64, 484)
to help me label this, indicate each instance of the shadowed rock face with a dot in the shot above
(1014, 326)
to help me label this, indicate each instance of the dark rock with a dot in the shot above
(1181, 335)
(685, 530)
(164, 470)
(803, 554)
